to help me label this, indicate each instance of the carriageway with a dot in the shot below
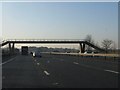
(82, 43)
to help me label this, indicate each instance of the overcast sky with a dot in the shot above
(60, 20)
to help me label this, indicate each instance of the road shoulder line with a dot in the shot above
(111, 71)
(8, 61)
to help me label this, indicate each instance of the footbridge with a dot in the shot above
(82, 43)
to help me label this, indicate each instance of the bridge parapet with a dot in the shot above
(43, 40)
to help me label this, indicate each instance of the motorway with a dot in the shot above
(59, 71)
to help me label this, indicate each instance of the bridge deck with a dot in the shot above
(50, 41)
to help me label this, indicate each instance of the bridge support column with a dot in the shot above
(82, 47)
(11, 48)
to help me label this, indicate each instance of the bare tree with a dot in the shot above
(97, 44)
(114, 47)
(106, 44)
(90, 40)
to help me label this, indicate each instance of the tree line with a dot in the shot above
(107, 44)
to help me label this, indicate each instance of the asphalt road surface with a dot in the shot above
(59, 71)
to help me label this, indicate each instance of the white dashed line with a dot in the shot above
(111, 71)
(55, 83)
(48, 61)
(38, 63)
(46, 73)
(75, 63)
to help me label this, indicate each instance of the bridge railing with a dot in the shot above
(43, 40)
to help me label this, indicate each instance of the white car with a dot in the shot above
(85, 52)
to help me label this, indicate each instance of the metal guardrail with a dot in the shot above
(82, 54)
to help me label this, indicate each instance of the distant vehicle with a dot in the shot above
(55, 51)
(85, 52)
(95, 52)
(88, 52)
(31, 52)
(68, 52)
(91, 52)
(36, 54)
(24, 50)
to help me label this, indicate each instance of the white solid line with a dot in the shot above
(75, 63)
(8, 61)
(111, 71)
(46, 73)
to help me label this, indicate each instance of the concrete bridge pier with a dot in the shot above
(82, 47)
(11, 48)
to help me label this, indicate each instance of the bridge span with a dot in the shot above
(82, 43)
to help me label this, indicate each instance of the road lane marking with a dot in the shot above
(38, 63)
(46, 73)
(97, 68)
(8, 61)
(100, 69)
(75, 63)
(48, 61)
(112, 71)
(55, 83)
